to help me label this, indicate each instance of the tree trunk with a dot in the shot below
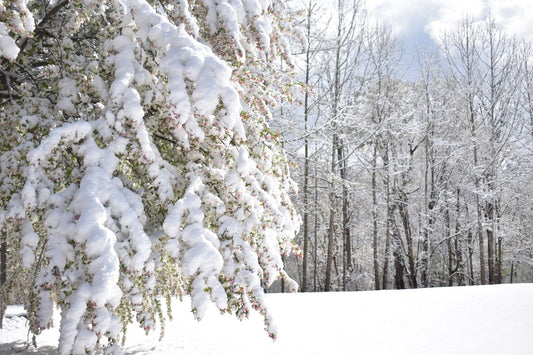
(347, 255)
(458, 244)
(375, 219)
(399, 265)
(331, 228)
(429, 188)
(478, 203)
(398, 268)
(481, 244)
(335, 145)
(490, 255)
(386, 261)
(447, 236)
(315, 247)
(499, 256)
(389, 218)
(470, 258)
(404, 215)
(306, 156)
(331, 231)
(3, 263)
(3, 275)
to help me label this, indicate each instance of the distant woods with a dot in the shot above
(408, 183)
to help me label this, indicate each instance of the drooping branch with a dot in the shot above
(39, 29)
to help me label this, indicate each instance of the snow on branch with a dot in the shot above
(135, 178)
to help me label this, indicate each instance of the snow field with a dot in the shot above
(480, 320)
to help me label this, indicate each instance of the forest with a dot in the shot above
(405, 180)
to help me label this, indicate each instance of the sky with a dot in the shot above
(420, 23)
(427, 19)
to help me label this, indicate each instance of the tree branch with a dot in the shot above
(46, 18)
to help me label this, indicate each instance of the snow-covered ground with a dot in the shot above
(467, 320)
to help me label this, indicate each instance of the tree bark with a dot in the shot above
(329, 257)
(375, 219)
(347, 254)
(458, 244)
(3, 263)
(448, 237)
(315, 247)
(490, 245)
(389, 218)
(399, 264)
(335, 145)
(306, 156)
(404, 215)
(331, 227)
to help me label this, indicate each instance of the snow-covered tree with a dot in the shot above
(137, 162)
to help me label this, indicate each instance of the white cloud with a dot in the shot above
(450, 12)
(410, 17)
(514, 16)
(404, 16)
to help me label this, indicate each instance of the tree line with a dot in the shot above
(411, 182)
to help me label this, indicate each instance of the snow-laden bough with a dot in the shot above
(139, 164)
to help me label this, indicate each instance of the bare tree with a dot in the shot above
(461, 51)
(346, 48)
